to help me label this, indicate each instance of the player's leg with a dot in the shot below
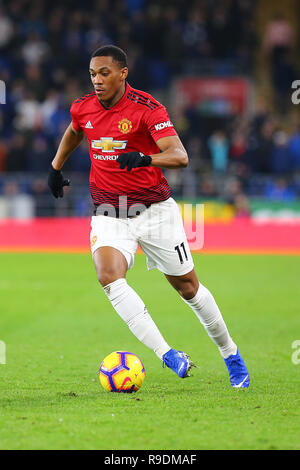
(203, 304)
(171, 255)
(111, 267)
(159, 247)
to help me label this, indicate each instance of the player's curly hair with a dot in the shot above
(115, 52)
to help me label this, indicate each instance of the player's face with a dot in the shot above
(107, 77)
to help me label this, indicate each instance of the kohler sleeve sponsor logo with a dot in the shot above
(163, 125)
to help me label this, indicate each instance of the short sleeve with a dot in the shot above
(159, 124)
(75, 123)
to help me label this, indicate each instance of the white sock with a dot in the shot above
(206, 309)
(132, 310)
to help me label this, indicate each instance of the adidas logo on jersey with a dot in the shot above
(89, 125)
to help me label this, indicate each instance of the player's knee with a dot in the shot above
(188, 293)
(187, 290)
(107, 276)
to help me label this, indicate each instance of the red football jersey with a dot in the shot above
(133, 124)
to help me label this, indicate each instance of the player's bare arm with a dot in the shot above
(70, 140)
(173, 153)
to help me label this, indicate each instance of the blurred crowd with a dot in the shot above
(250, 159)
(44, 55)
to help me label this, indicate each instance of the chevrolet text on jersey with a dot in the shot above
(105, 157)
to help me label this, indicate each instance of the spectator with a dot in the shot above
(173, 41)
(6, 30)
(44, 205)
(195, 35)
(3, 154)
(278, 43)
(259, 148)
(219, 148)
(281, 160)
(241, 206)
(238, 142)
(29, 116)
(208, 189)
(15, 203)
(16, 159)
(283, 76)
(280, 190)
(38, 158)
(35, 50)
(233, 189)
(279, 38)
(294, 148)
(35, 83)
(220, 33)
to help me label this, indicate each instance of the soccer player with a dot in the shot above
(130, 139)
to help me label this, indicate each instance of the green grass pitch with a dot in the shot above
(58, 326)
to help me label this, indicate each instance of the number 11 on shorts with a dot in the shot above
(180, 254)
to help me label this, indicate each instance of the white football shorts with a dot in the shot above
(158, 229)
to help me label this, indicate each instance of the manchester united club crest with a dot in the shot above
(125, 125)
(93, 240)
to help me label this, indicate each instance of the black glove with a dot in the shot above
(133, 160)
(56, 182)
